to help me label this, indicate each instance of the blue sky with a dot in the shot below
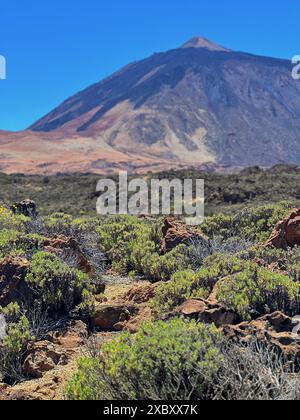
(56, 48)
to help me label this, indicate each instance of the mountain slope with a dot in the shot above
(196, 104)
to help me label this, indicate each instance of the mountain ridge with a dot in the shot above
(194, 105)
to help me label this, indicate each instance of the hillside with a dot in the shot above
(197, 104)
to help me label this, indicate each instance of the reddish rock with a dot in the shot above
(133, 325)
(107, 316)
(275, 329)
(287, 232)
(206, 312)
(192, 307)
(72, 338)
(175, 233)
(59, 243)
(141, 293)
(43, 357)
(13, 287)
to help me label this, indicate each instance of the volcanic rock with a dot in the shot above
(175, 233)
(287, 232)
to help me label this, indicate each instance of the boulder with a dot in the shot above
(106, 316)
(42, 357)
(206, 312)
(175, 233)
(13, 287)
(26, 207)
(287, 232)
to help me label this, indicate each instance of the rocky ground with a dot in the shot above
(53, 361)
(123, 305)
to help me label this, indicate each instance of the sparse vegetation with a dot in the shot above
(174, 359)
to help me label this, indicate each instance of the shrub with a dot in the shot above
(213, 369)
(255, 372)
(188, 284)
(10, 221)
(58, 223)
(171, 361)
(199, 250)
(255, 224)
(14, 344)
(132, 245)
(267, 256)
(258, 291)
(13, 243)
(155, 267)
(58, 288)
(172, 294)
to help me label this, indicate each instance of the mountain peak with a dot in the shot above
(201, 42)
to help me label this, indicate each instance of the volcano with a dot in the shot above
(199, 104)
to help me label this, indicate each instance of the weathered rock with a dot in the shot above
(26, 207)
(276, 329)
(43, 357)
(48, 388)
(60, 243)
(133, 325)
(13, 287)
(206, 312)
(175, 233)
(107, 316)
(141, 293)
(287, 232)
(72, 338)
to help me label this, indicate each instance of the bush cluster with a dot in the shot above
(188, 284)
(58, 288)
(255, 224)
(14, 344)
(183, 361)
(169, 361)
(257, 291)
(132, 246)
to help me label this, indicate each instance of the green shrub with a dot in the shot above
(58, 222)
(118, 237)
(132, 245)
(267, 256)
(254, 223)
(169, 361)
(258, 291)
(17, 243)
(10, 221)
(14, 344)
(172, 294)
(58, 288)
(188, 284)
(155, 267)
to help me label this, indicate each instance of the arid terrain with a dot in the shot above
(139, 308)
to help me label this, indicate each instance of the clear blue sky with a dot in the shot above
(56, 48)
